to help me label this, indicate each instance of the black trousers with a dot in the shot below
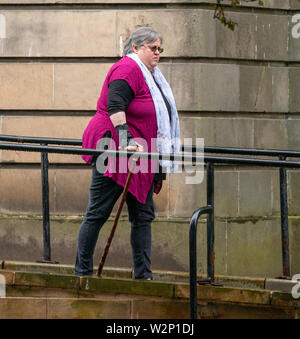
(104, 193)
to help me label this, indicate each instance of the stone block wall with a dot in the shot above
(235, 89)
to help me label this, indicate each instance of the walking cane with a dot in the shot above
(112, 232)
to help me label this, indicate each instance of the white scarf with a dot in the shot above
(168, 135)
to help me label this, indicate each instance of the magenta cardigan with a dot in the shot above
(141, 120)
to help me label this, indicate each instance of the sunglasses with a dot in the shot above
(155, 48)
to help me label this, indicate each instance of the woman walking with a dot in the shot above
(136, 109)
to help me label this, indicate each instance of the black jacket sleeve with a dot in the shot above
(120, 96)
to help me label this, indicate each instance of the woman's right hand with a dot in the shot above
(126, 141)
(133, 148)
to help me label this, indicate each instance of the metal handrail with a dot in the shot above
(188, 148)
(282, 164)
(154, 156)
(39, 140)
(193, 257)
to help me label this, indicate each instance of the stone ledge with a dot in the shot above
(245, 282)
(87, 284)
(46, 280)
(112, 272)
(23, 308)
(225, 294)
(42, 292)
(283, 299)
(87, 308)
(135, 287)
(281, 4)
(74, 308)
(280, 285)
(127, 273)
(132, 287)
(126, 286)
(37, 267)
(57, 308)
(193, 85)
(172, 285)
(9, 277)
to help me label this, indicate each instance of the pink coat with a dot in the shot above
(141, 120)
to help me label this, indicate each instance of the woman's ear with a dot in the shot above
(135, 48)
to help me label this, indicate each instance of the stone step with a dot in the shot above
(86, 308)
(55, 294)
(272, 284)
(127, 273)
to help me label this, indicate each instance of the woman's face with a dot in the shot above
(149, 53)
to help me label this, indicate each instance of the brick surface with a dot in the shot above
(43, 126)
(195, 85)
(41, 38)
(78, 86)
(72, 190)
(233, 132)
(195, 127)
(293, 137)
(87, 309)
(36, 33)
(294, 231)
(31, 279)
(46, 280)
(148, 309)
(185, 198)
(31, 89)
(269, 134)
(254, 37)
(279, 285)
(226, 184)
(294, 44)
(38, 267)
(254, 193)
(183, 22)
(286, 299)
(254, 246)
(294, 103)
(21, 190)
(8, 276)
(22, 308)
(40, 292)
(294, 4)
(225, 294)
(255, 89)
(106, 285)
(294, 192)
(277, 4)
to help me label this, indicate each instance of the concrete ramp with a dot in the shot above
(47, 291)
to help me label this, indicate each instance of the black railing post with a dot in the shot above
(193, 257)
(284, 221)
(210, 222)
(45, 200)
(193, 265)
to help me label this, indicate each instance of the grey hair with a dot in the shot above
(141, 36)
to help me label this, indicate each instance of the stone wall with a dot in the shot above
(235, 89)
